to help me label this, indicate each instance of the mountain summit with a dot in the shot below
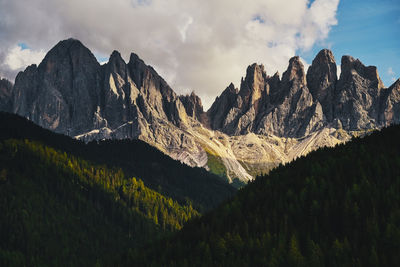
(246, 131)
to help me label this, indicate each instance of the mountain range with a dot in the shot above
(247, 131)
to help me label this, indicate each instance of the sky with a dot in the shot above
(204, 45)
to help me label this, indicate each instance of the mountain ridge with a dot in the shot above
(267, 122)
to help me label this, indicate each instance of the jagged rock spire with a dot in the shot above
(321, 80)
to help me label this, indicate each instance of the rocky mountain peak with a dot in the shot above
(276, 75)
(63, 87)
(5, 95)
(71, 50)
(231, 89)
(347, 63)
(253, 85)
(116, 64)
(390, 105)
(295, 71)
(355, 70)
(255, 73)
(140, 71)
(116, 57)
(358, 95)
(5, 87)
(396, 83)
(119, 94)
(321, 80)
(351, 67)
(222, 105)
(193, 105)
(323, 66)
(273, 87)
(135, 59)
(28, 71)
(325, 55)
(137, 69)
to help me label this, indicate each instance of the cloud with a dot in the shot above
(199, 45)
(391, 74)
(338, 70)
(19, 57)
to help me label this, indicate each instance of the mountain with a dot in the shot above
(247, 131)
(334, 207)
(301, 104)
(159, 172)
(5, 94)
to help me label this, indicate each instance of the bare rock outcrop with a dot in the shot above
(5, 95)
(322, 79)
(61, 93)
(357, 95)
(221, 107)
(390, 105)
(267, 105)
(193, 106)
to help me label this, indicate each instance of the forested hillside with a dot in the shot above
(60, 210)
(67, 203)
(335, 207)
(136, 158)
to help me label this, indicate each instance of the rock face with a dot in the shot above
(193, 106)
(5, 95)
(69, 92)
(357, 96)
(322, 79)
(389, 112)
(267, 105)
(62, 92)
(222, 105)
(299, 104)
(246, 131)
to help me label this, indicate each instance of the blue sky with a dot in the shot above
(368, 30)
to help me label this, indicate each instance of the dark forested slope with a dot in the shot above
(336, 207)
(66, 203)
(60, 210)
(157, 170)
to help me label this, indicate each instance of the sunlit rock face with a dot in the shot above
(247, 131)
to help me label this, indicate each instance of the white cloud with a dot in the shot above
(318, 20)
(18, 58)
(338, 70)
(199, 45)
(391, 74)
